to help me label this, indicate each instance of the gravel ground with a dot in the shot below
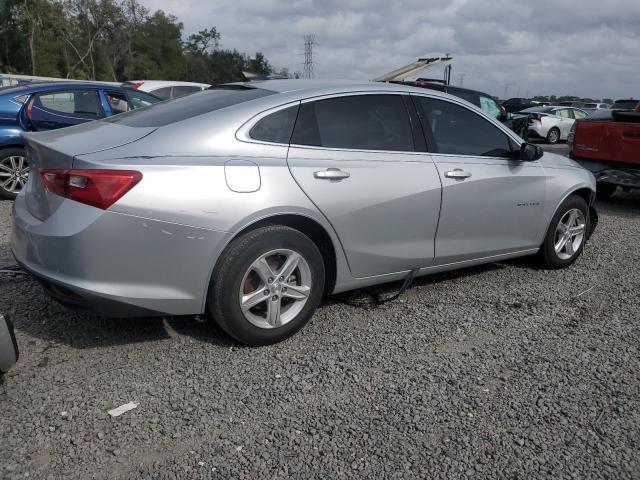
(504, 371)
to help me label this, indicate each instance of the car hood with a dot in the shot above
(553, 160)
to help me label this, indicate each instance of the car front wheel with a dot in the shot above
(267, 285)
(567, 233)
(14, 172)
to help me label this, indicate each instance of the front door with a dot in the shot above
(491, 203)
(354, 157)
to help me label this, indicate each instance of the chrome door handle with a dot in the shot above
(457, 173)
(331, 174)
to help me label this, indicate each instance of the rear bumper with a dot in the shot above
(115, 264)
(622, 174)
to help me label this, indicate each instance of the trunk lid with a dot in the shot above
(57, 149)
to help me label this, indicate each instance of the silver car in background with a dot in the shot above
(251, 201)
(551, 123)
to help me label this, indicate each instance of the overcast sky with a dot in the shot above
(575, 47)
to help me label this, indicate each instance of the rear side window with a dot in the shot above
(277, 127)
(163, 93)
(165, 113)
(117, 102)
(140, 99)
(459, 131)
(184, 90)
(361, 122)
(79, 103)
(579, 114)
(468, 96)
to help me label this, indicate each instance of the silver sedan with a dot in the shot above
(251, 201)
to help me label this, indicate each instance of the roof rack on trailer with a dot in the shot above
(412, 70)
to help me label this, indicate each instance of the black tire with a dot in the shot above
(605, 190)
(553, 136)
(547, 253)
(4, 154)
(223, 303)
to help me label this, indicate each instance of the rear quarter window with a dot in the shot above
(276, 127)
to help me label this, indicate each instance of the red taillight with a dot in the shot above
(98, 188)
(538, 116)
(30, 109)
(137, 85)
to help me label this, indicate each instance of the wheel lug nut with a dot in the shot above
(284, 289)
(274, 298)
(282, 279)
(270, 279)
(266, 292)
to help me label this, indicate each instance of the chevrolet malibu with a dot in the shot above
(251, 201)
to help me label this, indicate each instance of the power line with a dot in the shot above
(461, 78)
(309, 41)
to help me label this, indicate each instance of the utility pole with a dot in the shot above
(461, 78)
(506, 91)
(309, 41)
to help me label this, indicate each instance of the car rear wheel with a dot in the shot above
(567, 234)
(605, 190)
(267, 285)
(14, 172)
(553, 136)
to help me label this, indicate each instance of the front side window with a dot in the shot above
(360, 122)
(457, 130)
(276, 127)
(489, 106)
(579, 114)
(81, 103)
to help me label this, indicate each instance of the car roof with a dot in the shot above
(165, 83)
(325, 86)
(40, 86)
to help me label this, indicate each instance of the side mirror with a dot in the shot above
(530, 152)
(8, 345)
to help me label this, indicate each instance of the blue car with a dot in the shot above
(47, 106)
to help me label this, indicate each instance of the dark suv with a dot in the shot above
(517, 104)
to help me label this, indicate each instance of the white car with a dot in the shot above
(551, 123)
(166, 90)
(592, 107)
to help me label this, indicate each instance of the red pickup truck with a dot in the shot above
(608, 144)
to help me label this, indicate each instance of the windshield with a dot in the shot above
(172, 111)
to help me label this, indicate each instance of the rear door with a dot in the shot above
(58, 109)
(491, 203)
(354, 156)
(565, 121)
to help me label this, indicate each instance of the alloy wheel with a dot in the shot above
(14, 172)
(275, 288)
(569, 234)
